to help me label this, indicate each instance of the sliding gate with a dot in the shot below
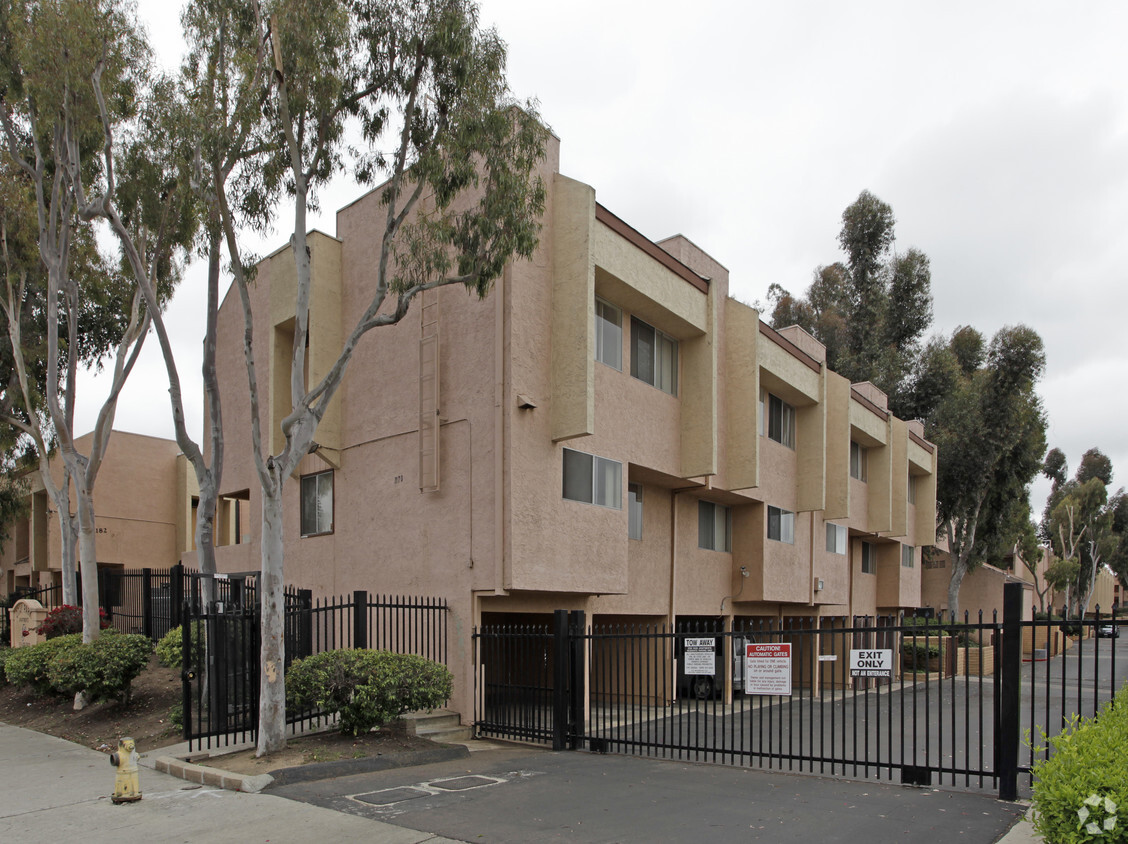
(900, 700)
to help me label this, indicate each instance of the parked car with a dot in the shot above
(1109, 630)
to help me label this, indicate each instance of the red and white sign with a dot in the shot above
(767, 669)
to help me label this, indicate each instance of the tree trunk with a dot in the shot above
(272, 681)
(959, 569)
(88, 564)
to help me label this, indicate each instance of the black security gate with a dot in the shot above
(916, 701)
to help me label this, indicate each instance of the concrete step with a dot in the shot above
(439, 725)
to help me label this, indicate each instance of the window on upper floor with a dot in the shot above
(836, 539)
(654, 357)
(908, 556)
(634, 511)
(608, 334)
(317, 503)
(911, 494)
(869, 558)
(778, 418)
(781, 525)
(593, 480)
(714, 526)
(858, 461)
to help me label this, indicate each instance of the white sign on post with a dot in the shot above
(877, 663)
(767, 669)
(700, 656)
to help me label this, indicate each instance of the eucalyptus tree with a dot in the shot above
(424, 86)
(52, 125)
(989, 427)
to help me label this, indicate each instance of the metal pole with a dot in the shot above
(1009, 720)
(560, 681)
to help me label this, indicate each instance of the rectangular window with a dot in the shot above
(317, 503)
(608, 334)
(836, 539)
(654, 357)
(869, 558)
(912, 490)
(781, 525)
(908, 556)
(858, 461)
(714, 526)
(780, 421)
(634, 511)
(593, 480)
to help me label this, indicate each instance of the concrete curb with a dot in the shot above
(254, 783)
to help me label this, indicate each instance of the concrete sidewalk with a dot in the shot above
(54, 791)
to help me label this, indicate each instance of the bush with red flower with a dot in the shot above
(64, 620)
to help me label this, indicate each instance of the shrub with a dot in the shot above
(919, 651)
(103, 669)
(1086, 769)
(170, 649)
(65, 620)
(367, 688)
(28, 666)
(4, 654)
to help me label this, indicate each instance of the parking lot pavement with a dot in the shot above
(528, 795)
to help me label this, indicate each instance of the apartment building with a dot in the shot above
(608, 431)
(144, 505)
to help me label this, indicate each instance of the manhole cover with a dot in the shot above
(460, 783)
(391, 795)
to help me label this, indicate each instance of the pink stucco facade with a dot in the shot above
(518, 385)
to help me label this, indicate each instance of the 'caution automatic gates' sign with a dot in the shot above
(767, 669)
(871, 663)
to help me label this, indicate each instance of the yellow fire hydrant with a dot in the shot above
(127, 786)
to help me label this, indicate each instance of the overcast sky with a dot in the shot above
(997, 132)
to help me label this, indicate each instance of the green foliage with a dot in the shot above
(28, 666)
(5, 652)
(919, 651)
(103, 669)
(1087, 766)
(170, 649)
(368, 688)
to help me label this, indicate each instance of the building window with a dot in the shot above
(912, 490)
(869, 558)
(858, 454)
(836, 539)
(317, 503)
(654, 357)
(593, 480)
(781, 525)
(608, 334)
(780, 421)
(714, 526)
(634, 511)
(908, 556)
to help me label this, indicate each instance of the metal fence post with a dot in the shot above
(175, 595)
(560, 673)
(147, 602)
(1009, 715)
(360, 619)
(576, 680)
(305, 623)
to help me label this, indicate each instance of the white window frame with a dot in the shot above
(714, 526)
(609, 334)
(606, 486)
(837, 539)
(634, 511)
(777, 419)
(663, 369)
(908, 556)
(315, 484)
(785, 525)
(859, 461)
(869, 558)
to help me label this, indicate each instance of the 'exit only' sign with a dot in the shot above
(877, 663)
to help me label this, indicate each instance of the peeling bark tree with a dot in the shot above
(424, 80)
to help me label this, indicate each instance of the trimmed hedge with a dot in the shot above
(103, 669)
(368, 688)
(28, 666)
(1081, 791)
(170, 649)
